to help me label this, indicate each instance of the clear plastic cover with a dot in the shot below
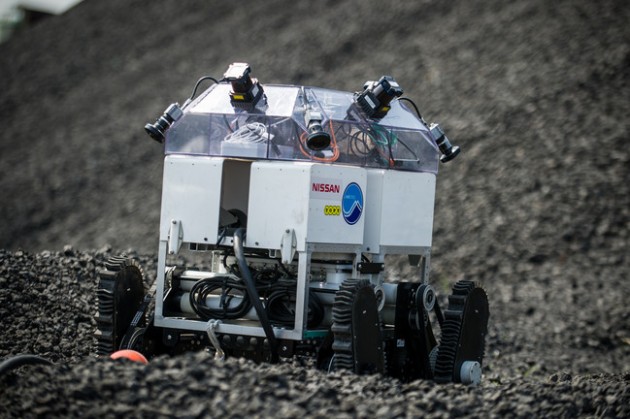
(276, 129)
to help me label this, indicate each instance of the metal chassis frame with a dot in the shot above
(303, 278)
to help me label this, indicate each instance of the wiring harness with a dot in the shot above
(276, 287)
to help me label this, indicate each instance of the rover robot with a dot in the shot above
(295, 198)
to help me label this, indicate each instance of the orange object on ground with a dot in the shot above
(131, 355)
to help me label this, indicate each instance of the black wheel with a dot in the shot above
(463, 331)
(120, 292)
(358, 344)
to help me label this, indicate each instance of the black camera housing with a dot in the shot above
(157, 130)
(375, 99)
(246, 91)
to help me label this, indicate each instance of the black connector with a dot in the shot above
(157, 131)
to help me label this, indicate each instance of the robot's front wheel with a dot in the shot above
(120, 292)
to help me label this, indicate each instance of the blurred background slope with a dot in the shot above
(535, 93)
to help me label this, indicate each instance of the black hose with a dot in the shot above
(229, 288)
(414, 107)
(194, 92)
(21, 360)
(253, 294)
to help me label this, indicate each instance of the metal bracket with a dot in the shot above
(175, 237)
(219, 355)
(422, 262)
(288, 245)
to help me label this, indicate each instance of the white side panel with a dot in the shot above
(191, 194)
(339, 187)
(307, 198)
(407, 214)
(278, 200)
(399, 210)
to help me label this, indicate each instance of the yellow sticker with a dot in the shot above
(332, 210)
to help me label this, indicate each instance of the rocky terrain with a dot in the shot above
(536, 208)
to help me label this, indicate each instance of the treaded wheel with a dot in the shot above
(463, 331)
(120, 292)
(358, 345)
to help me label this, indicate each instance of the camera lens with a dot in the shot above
(158, 129)
(449, 151)
(317, 139)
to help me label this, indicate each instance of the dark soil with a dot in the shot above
(536, 208)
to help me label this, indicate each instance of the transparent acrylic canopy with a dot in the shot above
(276, 129)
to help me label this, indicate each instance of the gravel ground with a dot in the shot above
(537, 207)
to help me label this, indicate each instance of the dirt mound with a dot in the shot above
(47, 309)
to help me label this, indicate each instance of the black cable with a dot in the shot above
(354, 148)
(253, 294)
(266, 277)
(230, 288)
(415, 107)
(222, 235)
(280, 303)
(226, 254)
(21, 360)
(285, 270)
(194, 92)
